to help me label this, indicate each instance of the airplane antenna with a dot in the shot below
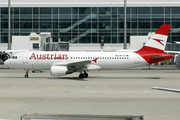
(102, 43)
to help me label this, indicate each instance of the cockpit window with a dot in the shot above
(14, 57)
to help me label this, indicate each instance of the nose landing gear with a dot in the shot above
(26, 75)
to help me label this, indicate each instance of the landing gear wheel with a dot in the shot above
(81, 76)
(26, 76)
(85, 75)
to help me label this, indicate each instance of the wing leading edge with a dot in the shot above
(80, 64)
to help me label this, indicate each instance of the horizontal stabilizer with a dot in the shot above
(166, 89)
(157, 57)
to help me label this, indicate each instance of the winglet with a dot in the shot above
(95, 60)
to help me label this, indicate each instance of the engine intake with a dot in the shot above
(5, 56)
(58, 70)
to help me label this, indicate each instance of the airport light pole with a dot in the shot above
(9, 25)
(125, 35)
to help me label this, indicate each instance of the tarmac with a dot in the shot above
(115, 92)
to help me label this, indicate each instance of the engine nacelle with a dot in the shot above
(58, 70)
(5, 56)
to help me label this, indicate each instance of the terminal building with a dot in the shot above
(85, 22)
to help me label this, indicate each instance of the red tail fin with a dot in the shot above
(158, 40)
(153, 50)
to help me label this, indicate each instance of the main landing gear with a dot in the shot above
(83, 75)
(26, 75)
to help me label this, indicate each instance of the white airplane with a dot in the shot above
(62, 63)
(166, 89)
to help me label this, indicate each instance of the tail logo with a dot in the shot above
(159, 41)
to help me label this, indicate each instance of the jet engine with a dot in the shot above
(58, 70)
(5, 56)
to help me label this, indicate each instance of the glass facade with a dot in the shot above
(89, 24)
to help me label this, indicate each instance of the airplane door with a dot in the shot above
(25, 58)
(136, 59)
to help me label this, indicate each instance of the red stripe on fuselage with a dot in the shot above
(148, 52)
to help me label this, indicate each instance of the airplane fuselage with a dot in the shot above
(105, 60)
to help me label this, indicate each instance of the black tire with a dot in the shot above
(26, 76)
(81, 76)
(85, 75)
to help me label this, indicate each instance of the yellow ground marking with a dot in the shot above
(17, 98)
(86, 79)
(1, 100)
(14, 99)
(22, 96)
(57, 86)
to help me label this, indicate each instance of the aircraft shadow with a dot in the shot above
(100, 77)
(66, 78)
(126, 77)
(77, 79)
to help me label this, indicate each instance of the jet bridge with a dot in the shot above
(79, 117)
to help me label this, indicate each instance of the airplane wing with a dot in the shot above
(76, 64)
(73, 63)
(166, 89)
